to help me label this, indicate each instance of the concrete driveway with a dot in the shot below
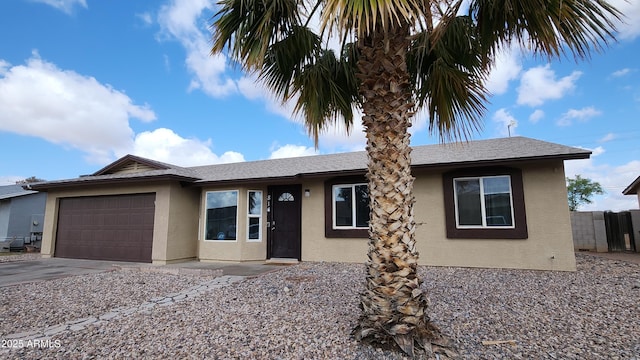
(18, 272)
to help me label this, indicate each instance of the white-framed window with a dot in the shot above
(350, 206)
(254, 215)
(483, 202)
(222, 215)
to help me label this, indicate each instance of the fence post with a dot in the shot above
(600, 231)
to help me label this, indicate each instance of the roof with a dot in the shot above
(473, 153)
(11, 191)
(633, 187)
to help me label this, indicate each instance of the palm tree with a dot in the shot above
(395, 58)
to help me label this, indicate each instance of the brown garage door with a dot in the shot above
(106, 227)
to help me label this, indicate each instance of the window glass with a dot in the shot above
(222, 212)
(255, 202)
(286, 197)
(362, 205)
(254, 228)
(497, 199)
(468, 202)
(351, 206)
(343, 204)
(484, 202)
(254, 215)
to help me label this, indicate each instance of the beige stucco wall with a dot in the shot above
(241, 249)
(181, 212)
(182, 224)
(175, 221)
(549, 245)
(315, 246)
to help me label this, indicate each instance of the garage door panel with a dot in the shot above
(116, 228)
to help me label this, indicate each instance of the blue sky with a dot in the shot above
(85, 82)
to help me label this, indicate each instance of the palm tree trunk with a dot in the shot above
(393, 305)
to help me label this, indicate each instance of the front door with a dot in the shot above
(284, 214)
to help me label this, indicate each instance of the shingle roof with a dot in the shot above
(633, 187)
(476, 153)
(480, 152)
(11, 191)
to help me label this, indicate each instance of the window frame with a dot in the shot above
(206, 215)
(519, 228)
(354, 208)
(483, 205)
(329, 211)
(254, 216)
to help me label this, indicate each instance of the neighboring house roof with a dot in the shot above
(474, 153)
(11, 191)
(633, 188)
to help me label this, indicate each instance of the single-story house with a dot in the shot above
(499, 203)
(21, 216)
(633, 189)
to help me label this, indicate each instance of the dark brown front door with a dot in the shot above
(284, 211)
(118, 227)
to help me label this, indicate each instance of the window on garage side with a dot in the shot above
(485, 203)
(222, 215)
(254, 215)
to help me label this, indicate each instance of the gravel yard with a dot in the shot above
(307, 312)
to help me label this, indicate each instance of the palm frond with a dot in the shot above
(548, 27)
(327, 90)
(285, 59)
(448, 78)
(248, 27)
(364, 16)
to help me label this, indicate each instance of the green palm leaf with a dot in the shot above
(327, 91)
(547, 27)
(448, 77)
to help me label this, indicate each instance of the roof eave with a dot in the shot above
(632, 189)
(122, 181)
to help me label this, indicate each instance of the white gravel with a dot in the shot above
(307, 312)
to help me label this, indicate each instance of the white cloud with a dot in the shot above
(507, 67)
(536, 116)
(166, 146)
(629, 29)
(4, 66)
(289, 150)
(64, 5)
(581, 115)
(621, 72)
(613, 179)
(608, 137)
(146, 18)
(63, 107)
(539, 84)
(505, 122)
(186, 22)
(253, 89)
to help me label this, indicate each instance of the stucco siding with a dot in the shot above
(182, 231)
(161, 216)
(548, 246)
(315, 246)
(240, 249)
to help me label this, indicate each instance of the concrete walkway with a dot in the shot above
(18, 272)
